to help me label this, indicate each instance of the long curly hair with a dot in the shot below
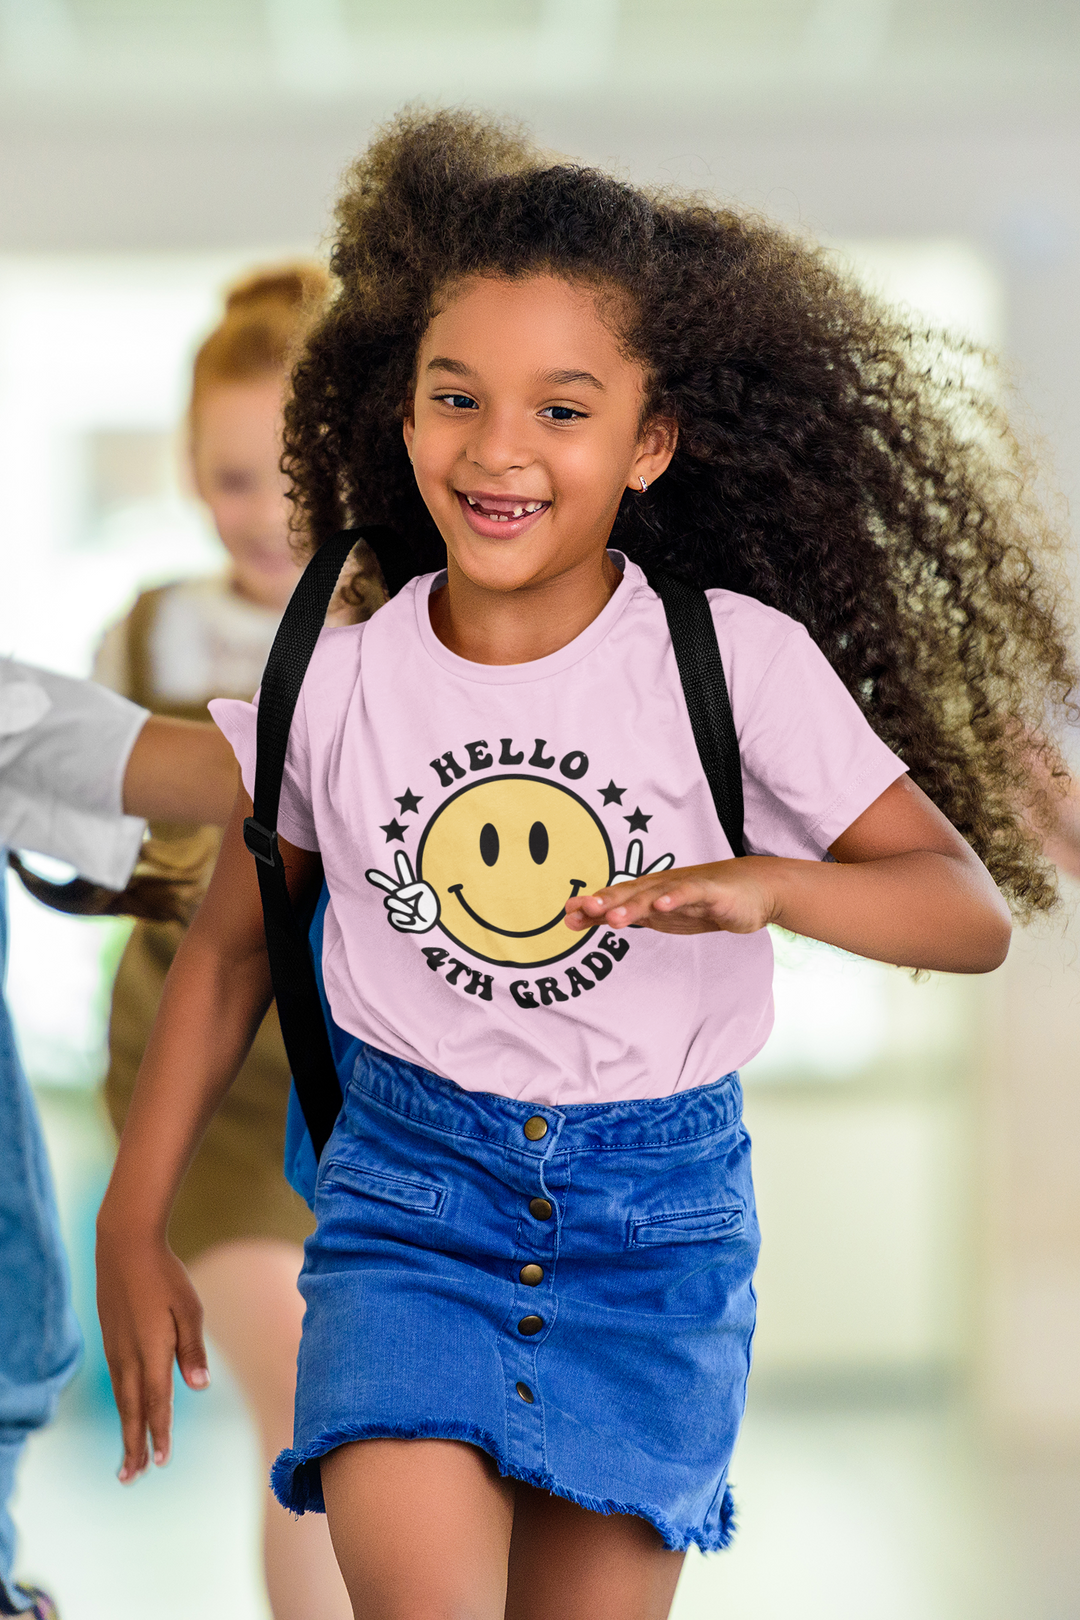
(834, 460)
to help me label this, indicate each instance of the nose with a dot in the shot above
(497, 445)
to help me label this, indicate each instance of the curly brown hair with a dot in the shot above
(834, 460)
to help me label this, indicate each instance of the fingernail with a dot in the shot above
(200, 1378)
(160, 1457)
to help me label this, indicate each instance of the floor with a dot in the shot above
(888, 1512)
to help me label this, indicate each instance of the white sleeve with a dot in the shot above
(64, 748)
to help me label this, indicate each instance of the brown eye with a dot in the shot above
(489, 844)
(538, 842)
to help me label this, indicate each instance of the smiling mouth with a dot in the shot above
(502, 510)
(500, 517)
(576, 885)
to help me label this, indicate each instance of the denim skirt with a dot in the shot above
(570, 1289)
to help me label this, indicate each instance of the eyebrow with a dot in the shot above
(458, 368)
(568, 377)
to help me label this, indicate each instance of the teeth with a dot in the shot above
(507, 517)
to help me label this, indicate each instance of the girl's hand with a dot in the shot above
(902, 886)
(735, 895)
(150, 1316)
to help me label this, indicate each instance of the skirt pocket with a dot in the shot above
(688, 1226)
(426, 1198)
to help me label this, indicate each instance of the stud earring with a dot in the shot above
(643, 482)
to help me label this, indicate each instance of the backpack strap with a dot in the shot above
(697, 653)
(292, 970)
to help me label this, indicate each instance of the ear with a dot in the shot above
(408, 425)
(654, 452)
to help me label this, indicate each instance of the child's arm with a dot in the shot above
(903, 887)
(216, 994)
(180, 770)
(1061, 843)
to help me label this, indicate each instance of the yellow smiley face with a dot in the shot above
(504, 855)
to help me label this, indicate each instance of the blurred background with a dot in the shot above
(912, 1446)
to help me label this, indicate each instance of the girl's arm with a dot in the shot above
(216, 995)
(1062, 843)
(180, 770)
(903, 887)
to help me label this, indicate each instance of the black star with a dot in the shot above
(612, 794)
(393, 829)
(409, 803)
(638, 821)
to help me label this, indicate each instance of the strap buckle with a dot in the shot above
(261, 841)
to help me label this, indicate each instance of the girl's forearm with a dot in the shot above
(1062, 843)
(180, 770)
(902, 886)
(920, 909)
(209, 1013)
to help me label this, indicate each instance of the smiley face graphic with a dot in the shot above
(503, 856)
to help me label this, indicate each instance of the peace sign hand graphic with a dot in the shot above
(634, 857)
(412, 906)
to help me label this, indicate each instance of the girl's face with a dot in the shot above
(525, 429)
(236, 448)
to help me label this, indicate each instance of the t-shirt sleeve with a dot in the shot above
(811, 762)
(237, 721)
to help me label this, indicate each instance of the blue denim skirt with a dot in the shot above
(570, 1289)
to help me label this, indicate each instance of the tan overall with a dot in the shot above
(235, 1187)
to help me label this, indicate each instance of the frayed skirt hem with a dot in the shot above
(295, 1480)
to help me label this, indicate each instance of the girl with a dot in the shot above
(236, 1222)
(529, 1302)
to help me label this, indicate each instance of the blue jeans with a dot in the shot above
(40, 1342)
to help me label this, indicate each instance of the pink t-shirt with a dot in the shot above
(457, 806)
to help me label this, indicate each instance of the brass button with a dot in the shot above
(530, 1325)
(526, 1394)
(541, 1209)
(531, 1275)
(535, 1128)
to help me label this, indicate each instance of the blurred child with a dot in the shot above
(237, 1223)
(78, 768)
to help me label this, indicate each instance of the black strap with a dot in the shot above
(292, 970)
(697, 653)
(296, 989)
